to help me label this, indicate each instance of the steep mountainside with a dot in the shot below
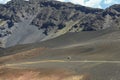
(32, 21)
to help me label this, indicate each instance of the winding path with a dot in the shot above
(59, 61)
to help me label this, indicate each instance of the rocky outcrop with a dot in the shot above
(31, 21)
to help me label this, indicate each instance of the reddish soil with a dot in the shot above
(43, 74)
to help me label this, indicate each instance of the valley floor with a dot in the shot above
(84, 56)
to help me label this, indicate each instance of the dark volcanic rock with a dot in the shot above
(50, 18)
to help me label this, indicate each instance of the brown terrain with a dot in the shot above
(52, 40)
(15, 74)
(94, 57)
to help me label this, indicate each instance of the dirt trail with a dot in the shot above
(57, 61)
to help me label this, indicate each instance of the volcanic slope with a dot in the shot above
(23, 22)
(95, 54)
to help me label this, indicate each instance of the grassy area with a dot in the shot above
(68, 26)
(2, 22)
